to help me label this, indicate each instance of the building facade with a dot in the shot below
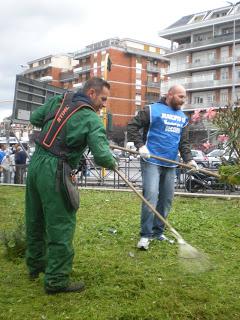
(49, 69)
(205, 57)
(137, 68)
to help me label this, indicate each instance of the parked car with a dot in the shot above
(200, 158)
(214, 158)
(217, 156)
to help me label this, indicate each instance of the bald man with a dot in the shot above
(160, 129)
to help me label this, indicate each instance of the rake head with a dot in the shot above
(191, 259)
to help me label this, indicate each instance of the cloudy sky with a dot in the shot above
(30, 29)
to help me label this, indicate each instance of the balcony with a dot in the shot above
(152, 84)
(202, 106)
(68, 76)
(78, 85)
(204, 64)
(191, 84)
(145, 53)
(211, 42)
(36, 69)
(45, 79)
(152, 68)
(83, 69)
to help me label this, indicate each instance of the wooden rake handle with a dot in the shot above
(184, 165)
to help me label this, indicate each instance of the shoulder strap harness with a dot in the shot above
(54, 139)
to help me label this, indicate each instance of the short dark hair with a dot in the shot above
(95, 83)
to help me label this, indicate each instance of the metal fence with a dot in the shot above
(94, 176)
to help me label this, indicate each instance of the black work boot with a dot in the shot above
(35, 274)
(74, 287)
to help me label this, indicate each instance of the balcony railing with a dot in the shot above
(203, 63)
(38, 68)
(82, 69)
(68, 76)
(203, 106)
(152, 84)
(152, 68)
(213, 40)
(190, 84)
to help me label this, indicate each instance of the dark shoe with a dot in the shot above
(74, 287)
(34, 275)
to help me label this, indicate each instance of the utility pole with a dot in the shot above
(234, 54)
(107, 68)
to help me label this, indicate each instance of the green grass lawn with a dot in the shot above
(122, 282)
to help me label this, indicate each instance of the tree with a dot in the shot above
(228, 120)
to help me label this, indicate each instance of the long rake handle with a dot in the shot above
(175, 233)
(184, 165)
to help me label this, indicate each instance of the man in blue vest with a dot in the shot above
(160, 129)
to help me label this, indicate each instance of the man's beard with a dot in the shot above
(176, 106)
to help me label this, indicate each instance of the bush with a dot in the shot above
(14, 242)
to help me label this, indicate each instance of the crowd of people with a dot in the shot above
(12, 163)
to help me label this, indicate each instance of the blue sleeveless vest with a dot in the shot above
(164, 133)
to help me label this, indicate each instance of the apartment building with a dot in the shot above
(137, 68)
(205, 57)
(49, 69)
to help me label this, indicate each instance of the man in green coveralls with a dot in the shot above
(50, 218)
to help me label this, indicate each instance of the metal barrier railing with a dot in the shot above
(92, 176)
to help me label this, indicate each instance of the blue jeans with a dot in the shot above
(158, 189)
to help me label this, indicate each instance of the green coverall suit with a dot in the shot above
(50, 219)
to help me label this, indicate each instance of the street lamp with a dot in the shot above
(234, 53)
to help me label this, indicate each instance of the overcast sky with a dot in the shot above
(31, 29)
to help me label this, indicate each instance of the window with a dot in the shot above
(224, 74)
(197, 60)
(138, 72)
(210, 98)
(224, 96)
(218, 13)
(138, 84)
(227, 30)
(152, 49)
(198, 100)
(138, 60)
(138, 75)
(224, 53)
(198, 18)
(138, 99)
(210, 55)
(138, 65)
